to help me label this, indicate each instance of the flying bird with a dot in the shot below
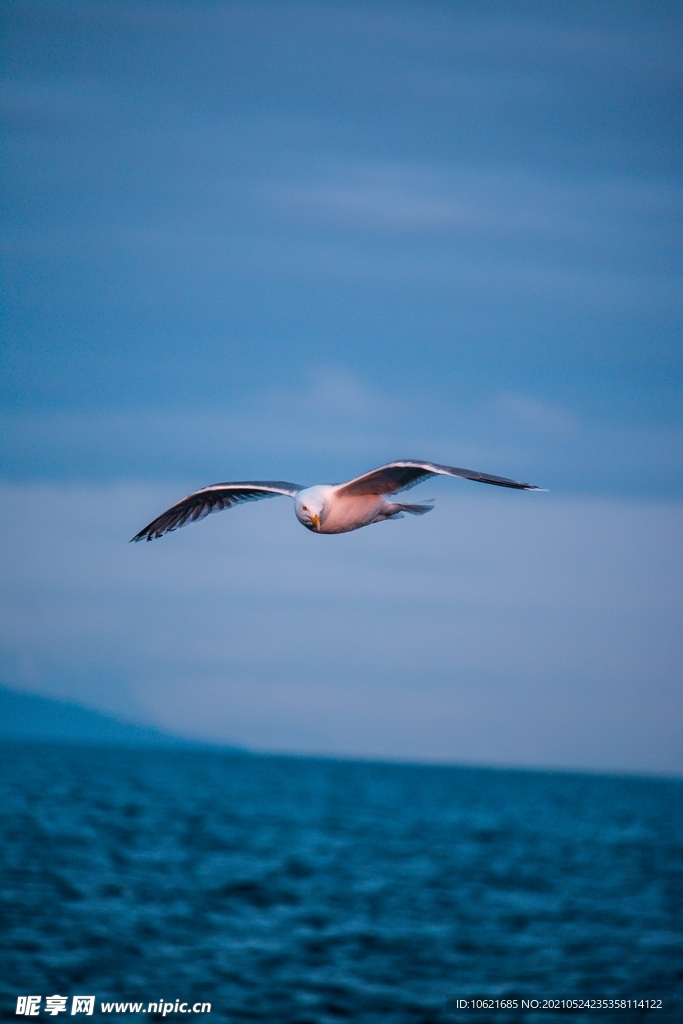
(324, 508)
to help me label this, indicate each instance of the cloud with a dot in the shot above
(438, 199)
(333, 424)
(57, 105)
(450, 195)
(604, 240)
(504, 628)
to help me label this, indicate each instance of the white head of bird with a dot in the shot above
(309, 505)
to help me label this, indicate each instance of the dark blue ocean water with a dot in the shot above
(303, 890)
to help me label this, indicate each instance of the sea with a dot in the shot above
(296, 890)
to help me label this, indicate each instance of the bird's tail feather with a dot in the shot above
(416, 510)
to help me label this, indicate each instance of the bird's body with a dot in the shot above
(340, 513)
(324, 508)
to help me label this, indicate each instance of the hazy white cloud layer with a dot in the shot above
(503, 628)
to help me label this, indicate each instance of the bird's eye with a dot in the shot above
(305, 508)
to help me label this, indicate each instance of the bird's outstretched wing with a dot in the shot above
(213, 499)
(405, 473)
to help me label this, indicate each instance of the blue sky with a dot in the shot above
(297, 240)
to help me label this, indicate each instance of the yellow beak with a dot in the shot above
(315, 521)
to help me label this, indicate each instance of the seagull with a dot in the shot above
(324, 508)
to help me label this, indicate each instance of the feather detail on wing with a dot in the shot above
(213, 499)
(405, 473)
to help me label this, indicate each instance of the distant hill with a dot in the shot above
(27, 716)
